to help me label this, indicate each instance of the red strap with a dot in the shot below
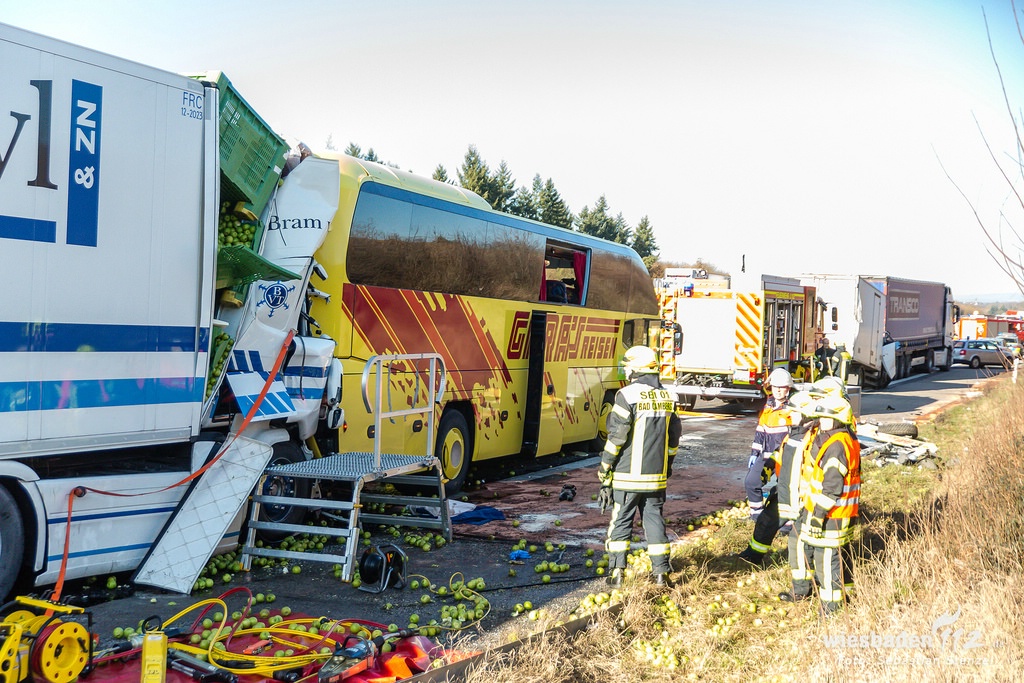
(80, 491)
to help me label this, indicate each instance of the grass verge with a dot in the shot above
(938, 573)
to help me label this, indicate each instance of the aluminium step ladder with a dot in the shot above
(351, 472)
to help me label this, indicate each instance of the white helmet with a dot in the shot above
(640, 359)
(780, 377)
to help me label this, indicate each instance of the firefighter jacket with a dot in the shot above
(643, 435)
(830, 489)
(772, 427)
(789, 459)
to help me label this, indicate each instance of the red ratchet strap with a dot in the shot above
(80, 491)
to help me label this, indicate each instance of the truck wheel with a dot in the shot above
(12, 542)
(929, 362)
(285, 453)
(687, 403)
(907, 429)
(948, 363)
(454, 450)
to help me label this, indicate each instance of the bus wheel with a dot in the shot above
(454, 450)
(12, 542)
(596, 444)
(285, 453)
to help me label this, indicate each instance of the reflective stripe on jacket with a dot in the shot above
(830, 485)
(772, 427)
(795, 449)
(643, 436)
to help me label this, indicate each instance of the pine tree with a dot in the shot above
(372, 156)
(329, 144)
(644, 243)
(503, 186)
(474, 175)
(598, 223)
(354, 150)
(552, 209)
(524, 204)
(440, 174)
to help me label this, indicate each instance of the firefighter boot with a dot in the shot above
(615, 578)
(753, 557)
(663, 580)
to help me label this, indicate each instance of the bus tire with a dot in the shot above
(285, 452)
(454, 449)
(12, 542)
(596, 444)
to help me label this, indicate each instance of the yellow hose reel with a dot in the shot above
(36, 641)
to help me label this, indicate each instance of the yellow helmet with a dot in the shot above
(640, 359)
(835, 407)
(804, 403)
(830, 386)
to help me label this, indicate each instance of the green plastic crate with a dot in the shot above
(251, 154)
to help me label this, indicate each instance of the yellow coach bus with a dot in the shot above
(530, 319)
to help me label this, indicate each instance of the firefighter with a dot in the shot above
(643, 435)
(830, 495)
(773, 426)
(767, 457)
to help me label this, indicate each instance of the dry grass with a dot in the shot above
(939, 558)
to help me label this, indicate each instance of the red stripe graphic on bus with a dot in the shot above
(417, 322)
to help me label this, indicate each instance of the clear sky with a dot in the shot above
(796, 136)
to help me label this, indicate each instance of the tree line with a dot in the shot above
(539, 201)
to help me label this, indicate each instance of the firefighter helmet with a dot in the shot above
(803, 403)
(835, 407)
(640, 359)
(831, 386)
(780, 377)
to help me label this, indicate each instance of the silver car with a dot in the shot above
(979, 352)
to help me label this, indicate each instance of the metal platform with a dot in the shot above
(355, 470)
(355, 466)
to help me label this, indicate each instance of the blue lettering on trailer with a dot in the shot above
(84, 166)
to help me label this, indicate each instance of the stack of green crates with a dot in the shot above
(251, 154)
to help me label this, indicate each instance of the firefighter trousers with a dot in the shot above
(767, 524)
(626, 505)
(830, 568)
(753, 484)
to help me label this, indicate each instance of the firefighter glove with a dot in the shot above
(815, 527)
(751, 461)
(604, 475)
(604, 498)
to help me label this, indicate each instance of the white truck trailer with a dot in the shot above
(112, 178)
(889, 326)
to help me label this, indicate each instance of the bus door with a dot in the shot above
(546, 388)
